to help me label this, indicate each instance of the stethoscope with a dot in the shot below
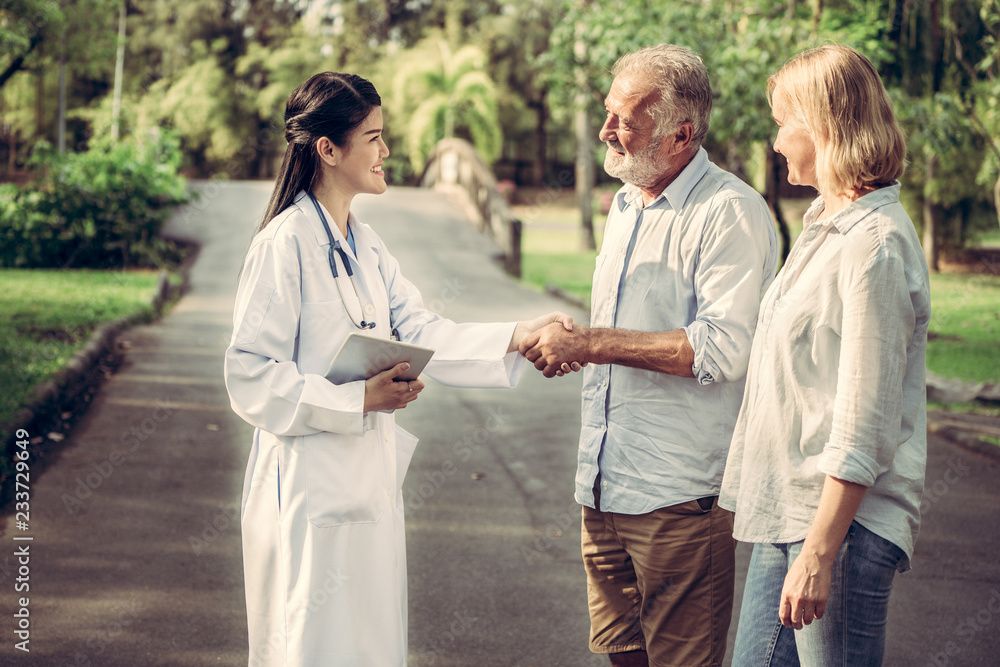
(335, 249)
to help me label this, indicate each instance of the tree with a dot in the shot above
(445, 96)
(24, 24)
(944, 82)
(515, 38)
(39, 35)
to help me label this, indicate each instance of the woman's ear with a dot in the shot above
(327, 151)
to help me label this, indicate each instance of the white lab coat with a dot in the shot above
(322, 512)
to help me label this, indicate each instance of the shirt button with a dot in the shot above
(604, 383)
(604, 427)
(369, 309)
(605, 485)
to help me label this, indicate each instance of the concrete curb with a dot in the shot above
(84, 360)
(966, 435)
(78, 380)
(560, 293)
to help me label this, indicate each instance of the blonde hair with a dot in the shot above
(836, 92)
(681, 79)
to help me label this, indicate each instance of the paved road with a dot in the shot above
(136, 553)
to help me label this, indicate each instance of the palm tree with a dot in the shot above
(452, 95)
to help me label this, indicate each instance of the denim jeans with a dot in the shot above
(851, 632)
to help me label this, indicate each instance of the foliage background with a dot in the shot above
(510, 75)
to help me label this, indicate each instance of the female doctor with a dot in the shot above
(322, 510)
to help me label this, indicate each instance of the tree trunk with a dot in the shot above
(18, 63)
(61, 115)
(817, 14)
(61, 123)
(116, 103)
(936, 45)
(585, 173)
(541, 141)
(39, 103)
(996, 199)
(932, 218)
(772, 184)
(12, 155)
(895, 37)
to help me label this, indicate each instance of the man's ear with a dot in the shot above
(327, 151)
(681, 139)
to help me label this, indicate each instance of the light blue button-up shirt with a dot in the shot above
(698, 258)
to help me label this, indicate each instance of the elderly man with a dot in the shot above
(687, 254)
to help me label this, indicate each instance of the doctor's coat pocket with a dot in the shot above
(345, 480)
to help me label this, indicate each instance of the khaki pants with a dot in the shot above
(661, 581)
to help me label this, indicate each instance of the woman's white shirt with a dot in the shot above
(836, 379)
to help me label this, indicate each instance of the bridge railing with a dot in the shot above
(455, 167)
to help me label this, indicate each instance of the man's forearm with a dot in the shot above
(660, 351)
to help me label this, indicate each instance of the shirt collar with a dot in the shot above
(305, 204)
(675, 194)
(857, 210)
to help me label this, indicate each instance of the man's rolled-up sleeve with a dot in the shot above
(737, 261)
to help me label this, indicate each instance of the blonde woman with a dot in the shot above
(826, 467)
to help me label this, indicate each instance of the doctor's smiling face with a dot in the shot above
(357, 165)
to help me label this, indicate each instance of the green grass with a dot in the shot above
(572, 272)
(990, 239)
(47, 315)
(966, 308)
(973, 408)
(966, 321)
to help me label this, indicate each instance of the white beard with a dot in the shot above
(642, 169)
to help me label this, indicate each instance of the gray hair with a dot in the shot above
(681, 78)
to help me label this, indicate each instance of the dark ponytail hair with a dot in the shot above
(329, 104)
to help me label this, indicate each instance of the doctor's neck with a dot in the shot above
(336, 202)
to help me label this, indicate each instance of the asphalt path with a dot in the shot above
(135, 557)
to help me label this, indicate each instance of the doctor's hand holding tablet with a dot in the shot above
(322, 497)
(391, 369)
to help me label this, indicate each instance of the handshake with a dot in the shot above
(553, 343)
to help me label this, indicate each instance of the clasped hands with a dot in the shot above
(551, 342)
(558, 347)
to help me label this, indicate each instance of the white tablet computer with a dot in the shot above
(361, 357)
